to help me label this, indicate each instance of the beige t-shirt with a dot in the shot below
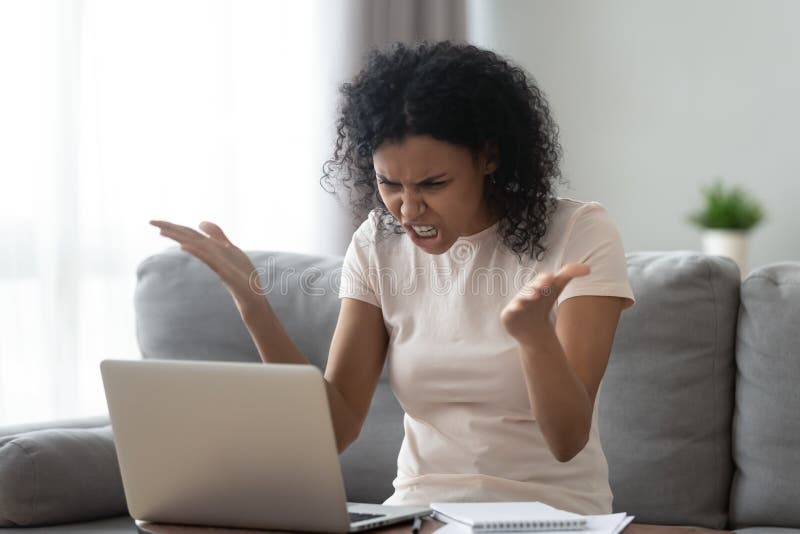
(470, 434)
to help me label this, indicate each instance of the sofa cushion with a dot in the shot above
(766, 421)
(59, 475)
(666, 401)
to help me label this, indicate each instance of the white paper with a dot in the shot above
(621, 526)
(605, 524)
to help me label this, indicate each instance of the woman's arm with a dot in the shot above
(562, 364)
(564, 368)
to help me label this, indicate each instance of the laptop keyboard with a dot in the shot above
(354, 517)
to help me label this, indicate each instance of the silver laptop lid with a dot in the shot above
(246, 445)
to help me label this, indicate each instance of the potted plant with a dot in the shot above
(726, 220)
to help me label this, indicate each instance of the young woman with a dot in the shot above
(493, 301)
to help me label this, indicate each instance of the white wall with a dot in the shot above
(655, 98)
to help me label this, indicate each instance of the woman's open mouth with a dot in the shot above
(424, 236)
(425, 231)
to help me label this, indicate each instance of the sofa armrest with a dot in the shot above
(64, 472)
(83, 422)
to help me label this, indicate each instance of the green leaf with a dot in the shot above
(730, 208)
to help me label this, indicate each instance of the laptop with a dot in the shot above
(237, 445)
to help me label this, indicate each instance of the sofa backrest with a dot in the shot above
(665, 406)
(766, 420)
(666, 401)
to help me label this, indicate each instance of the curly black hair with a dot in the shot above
(463, 95)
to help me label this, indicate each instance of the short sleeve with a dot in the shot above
(355, 280)
(593, 239)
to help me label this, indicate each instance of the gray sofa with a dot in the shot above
(699, 410)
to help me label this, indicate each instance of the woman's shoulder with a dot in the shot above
(569, 210)
(571, 215)
(568, 207)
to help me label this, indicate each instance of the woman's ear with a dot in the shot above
(491, 155)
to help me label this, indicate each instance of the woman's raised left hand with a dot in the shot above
(529, 311)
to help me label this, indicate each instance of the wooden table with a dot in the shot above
(429, 525)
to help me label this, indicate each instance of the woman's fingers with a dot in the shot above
(567, 273)
(547, 284)
(181, 237)
(539, 285)
(175, 231)
(216, 245)
(215, 232)
(176, 228)
(181, 234)
(184, 233)
(574, 270)
(215, 250)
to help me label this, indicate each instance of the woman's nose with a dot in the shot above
(412, 208)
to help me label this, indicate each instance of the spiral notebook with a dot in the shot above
(507, 516)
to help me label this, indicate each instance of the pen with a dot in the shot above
(416, 525)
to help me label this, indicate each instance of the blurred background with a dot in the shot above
(116, 112)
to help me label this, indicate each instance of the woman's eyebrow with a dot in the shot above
(428, 179)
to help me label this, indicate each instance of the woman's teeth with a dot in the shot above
(425, 231)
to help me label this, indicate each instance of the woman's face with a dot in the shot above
(427, 183)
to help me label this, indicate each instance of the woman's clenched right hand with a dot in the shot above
(237, 272)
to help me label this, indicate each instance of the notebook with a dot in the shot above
(507, 516)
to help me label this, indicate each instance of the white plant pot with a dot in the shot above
(730, 243)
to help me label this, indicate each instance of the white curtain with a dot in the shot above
(115, 112)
